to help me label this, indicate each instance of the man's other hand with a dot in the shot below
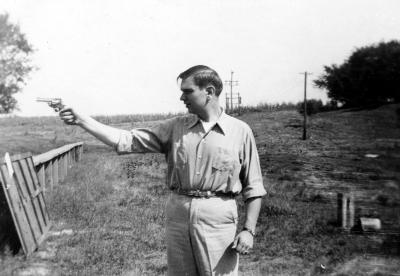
(243, 242)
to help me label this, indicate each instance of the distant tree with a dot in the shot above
(371, 75)
(313, 106)
(15, 63)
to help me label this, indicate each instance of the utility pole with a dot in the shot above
(231, 90)
(231, 83)
(305, 105)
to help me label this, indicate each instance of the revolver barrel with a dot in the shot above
(55, 103)
(48, 100)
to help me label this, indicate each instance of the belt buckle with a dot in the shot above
(201, 194)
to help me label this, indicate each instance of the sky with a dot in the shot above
(122, 57)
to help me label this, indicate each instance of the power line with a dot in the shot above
(230, 99)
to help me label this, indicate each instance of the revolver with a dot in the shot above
(55, 103)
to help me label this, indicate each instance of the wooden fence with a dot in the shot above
(24, 178)
(52, 166)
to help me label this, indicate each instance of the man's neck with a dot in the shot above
(212, 114)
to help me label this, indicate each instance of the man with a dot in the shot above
(212, 157)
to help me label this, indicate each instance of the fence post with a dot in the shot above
(73, 155)
(70, 157)
(42, 177)
(49, 174)
(351, 210)
(340, 214)
(55, 171)
(80, 152)
(53, 166)
(65, 160)
(60, 168)
(345, 210)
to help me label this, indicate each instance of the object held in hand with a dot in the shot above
(252, 232)
(55, 103)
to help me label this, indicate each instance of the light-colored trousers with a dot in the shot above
(200, 232)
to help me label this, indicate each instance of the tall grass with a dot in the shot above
(118, 221)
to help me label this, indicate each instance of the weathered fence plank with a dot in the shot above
(31, 191)
(24, 199)
(20, 192)
(39, 190)
(24, 185)
(18, 211)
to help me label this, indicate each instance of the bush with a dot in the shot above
(316, 106)
(313, 107)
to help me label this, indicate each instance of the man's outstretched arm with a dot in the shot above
(108, 135)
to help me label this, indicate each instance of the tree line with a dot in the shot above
(370, 76)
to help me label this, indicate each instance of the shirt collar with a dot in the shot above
(222, 121)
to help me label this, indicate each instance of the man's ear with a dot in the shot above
(210, 90)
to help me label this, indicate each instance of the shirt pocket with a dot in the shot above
(222, 166)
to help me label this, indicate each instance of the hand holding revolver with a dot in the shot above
(67, 114)
(70, 116)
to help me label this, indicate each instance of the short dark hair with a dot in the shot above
(203, 76)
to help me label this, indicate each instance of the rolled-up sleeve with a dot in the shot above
(146, 140)
(250, 174)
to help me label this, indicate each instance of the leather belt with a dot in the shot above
(202, 194)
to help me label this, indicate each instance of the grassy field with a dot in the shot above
(114, 205)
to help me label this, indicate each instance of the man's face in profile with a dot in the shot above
(192, 96)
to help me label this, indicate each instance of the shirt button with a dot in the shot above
(197, 173)
(199, 156)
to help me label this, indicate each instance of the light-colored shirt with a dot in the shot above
(223, 159)
(207, 125)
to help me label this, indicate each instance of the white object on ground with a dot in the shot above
(370, 224)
